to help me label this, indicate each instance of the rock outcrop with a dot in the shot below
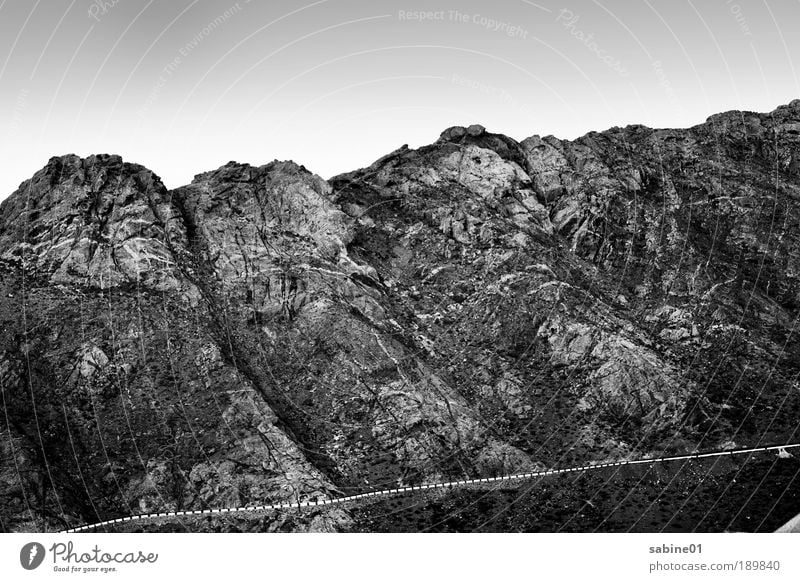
(474, 307)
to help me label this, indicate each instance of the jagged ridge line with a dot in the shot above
(410, 488)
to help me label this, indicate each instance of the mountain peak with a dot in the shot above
(96, 220)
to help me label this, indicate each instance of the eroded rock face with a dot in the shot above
(268, 369)
(300, 302)
(474, 307)
(618, 299)
(98, 221)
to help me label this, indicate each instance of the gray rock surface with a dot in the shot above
(473, 307)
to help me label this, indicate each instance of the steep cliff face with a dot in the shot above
(474, 307)
(119, 396)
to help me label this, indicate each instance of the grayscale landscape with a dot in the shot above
(472, 309)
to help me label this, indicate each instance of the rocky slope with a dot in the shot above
(474, 307)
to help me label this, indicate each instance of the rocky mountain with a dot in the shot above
(475, 307)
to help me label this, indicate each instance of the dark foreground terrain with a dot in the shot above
(475, 307)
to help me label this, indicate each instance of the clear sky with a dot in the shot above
(184, 86)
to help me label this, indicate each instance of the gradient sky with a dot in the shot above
(183, 86)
